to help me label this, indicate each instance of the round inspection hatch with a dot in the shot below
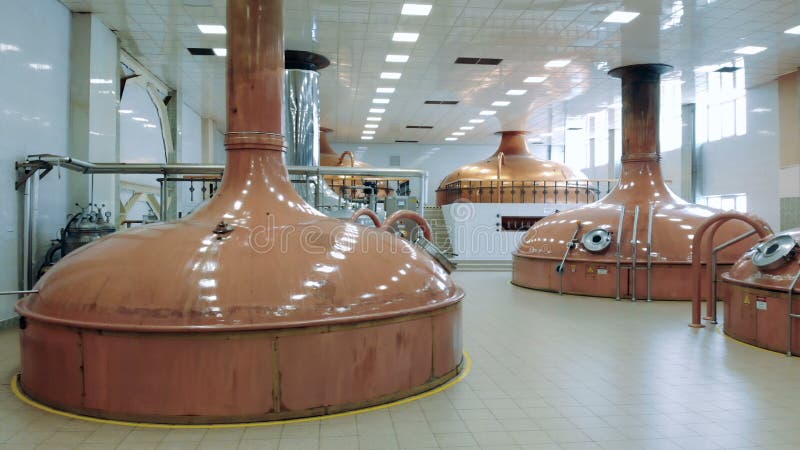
(775, 252)
(596, 240)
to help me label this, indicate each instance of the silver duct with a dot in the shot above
(302, 129)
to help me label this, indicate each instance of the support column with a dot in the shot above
(94, 103)
(789, 117)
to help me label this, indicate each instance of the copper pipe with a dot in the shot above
(410, 215)
(500, 158)
(366, 212)
(708, 248)
(761, 227)
(349, 154)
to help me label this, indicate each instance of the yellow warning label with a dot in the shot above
(746, 299)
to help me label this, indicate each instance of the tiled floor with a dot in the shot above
(549, 372)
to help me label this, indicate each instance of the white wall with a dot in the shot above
(748, 164)
(34, 118)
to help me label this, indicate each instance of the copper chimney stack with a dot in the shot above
(636, 241)
(255, 307)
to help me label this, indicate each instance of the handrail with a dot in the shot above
(791, 314)
(366, 212)
(711, 304)
(761, 227)
(650, 251)
(24, 292)
(410, 215)
(619, 250)
(635, 246)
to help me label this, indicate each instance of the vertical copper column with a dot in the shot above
(255, 74)
(641, 101)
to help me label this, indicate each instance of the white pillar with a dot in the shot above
(94, 103)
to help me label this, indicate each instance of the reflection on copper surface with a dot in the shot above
(650, 253)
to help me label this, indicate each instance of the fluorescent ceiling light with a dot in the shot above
(535, 79)
(397, 58)
(368, 132)
(476, 121)
(621, 16)
(212, 29)
(391, 75)
(39, 66)
(377, 110)
(458, 133)
(405, 37)
(516, 92)
(385, 90)
(415, 9)
(487, 112)
(501, 103)
(793, 30)
(380, 101)
(467, 128)
(557, 63)
(140, 119)
(366, 138)
(149, 125)
(749, 50)
(450, 139)
(371, 125)
(125, 111)
(100, 81)
(373, 119)
(221, 51)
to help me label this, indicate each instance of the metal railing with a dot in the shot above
(525, 191)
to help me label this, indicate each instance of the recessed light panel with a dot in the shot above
(450, 139)
(371, 125)
(377, 110)
(373, 119)
(556, 63)
(535, 79)
(397, 58)
(212, 29)
(621, 17)
(487, 112)
(467, 128)
(476, 121)
(516, 92)
(385, 90)
(380, 101)
(405, 37)
(458, 133)
(501, 103)
(366, 138)
(793, 30)
(368, 132)
(416, 9)
(391, 75)
(749, 50)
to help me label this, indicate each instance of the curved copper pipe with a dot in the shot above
(707, 251)
(761, 227)
(366, 212)
(349, 154)
(410, 215)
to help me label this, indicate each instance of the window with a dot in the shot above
(721, 101)
(670, 123)
(727, 202)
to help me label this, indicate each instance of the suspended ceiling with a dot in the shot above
(357, 35)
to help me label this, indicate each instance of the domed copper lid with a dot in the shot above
(772, 264)
(518, 163)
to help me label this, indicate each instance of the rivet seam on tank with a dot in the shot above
(222, 229)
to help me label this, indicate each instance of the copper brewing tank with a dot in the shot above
(636, 241)
(757, 292)
(256, 306)
(490, 180)
(329, 157)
